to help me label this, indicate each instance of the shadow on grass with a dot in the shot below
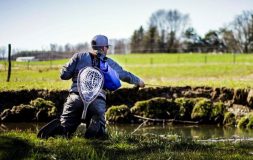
(14, 148)
(133, 148)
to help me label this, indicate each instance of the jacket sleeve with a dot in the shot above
(68, 69)
(124, 75)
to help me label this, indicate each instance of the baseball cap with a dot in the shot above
(99, 41)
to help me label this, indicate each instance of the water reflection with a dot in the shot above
(186, 131)
(34, 127)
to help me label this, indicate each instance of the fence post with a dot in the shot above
(234, 58)
(5, 65)
(178, 58)
(28, 63)
(205, 58)
(9, 61)
(151, 60)
(51, 60)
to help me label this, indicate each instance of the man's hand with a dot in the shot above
(141, 84)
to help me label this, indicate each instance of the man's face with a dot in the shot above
(105, 49)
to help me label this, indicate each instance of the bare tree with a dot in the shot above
(214, 42)
(170, 24)
(229, 40)
(193, 41)
(243, 29)
(3, 52)
(53, 47)
(80, 47)
(68, 47)
(151, 40)
(137, 40)
(120, 46)
(60, 48)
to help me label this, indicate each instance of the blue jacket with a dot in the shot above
(81, 60)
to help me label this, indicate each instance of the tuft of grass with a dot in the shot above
(202, 110)
(185, 107)
(246, 121)
(119, 114)
(158, 107)
(217, 113)
(229, 119)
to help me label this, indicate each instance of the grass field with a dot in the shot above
(227, 70)
(215, 70)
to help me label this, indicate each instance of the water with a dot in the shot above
(186, 131)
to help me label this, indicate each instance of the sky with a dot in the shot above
(35, 24)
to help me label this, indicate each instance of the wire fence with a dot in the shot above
(167, 59)
(140, 59)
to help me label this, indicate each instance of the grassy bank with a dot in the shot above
(228, 70)
(25, 145)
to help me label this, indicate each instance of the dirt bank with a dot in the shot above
(238, 101)
(129, 96)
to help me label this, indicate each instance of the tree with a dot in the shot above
(243, 30)
(214, 42)
(60, 48)
(82, 47)
(120, 46)
(161, 42)
(194, 42)
(68, 47)
(229, 40)
(137, 40)
(151, 39)
(53, 47)
(171, 25)
(2, 52)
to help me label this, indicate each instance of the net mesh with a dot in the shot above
(90, 82)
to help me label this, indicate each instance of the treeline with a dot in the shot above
(56, 51)
(169, 31)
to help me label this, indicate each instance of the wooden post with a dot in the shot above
(9, 62)
(178, 58)
(151, 60)
(205, 58)
(234, 58)
(28, 62)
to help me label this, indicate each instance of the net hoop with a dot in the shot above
(90, 82)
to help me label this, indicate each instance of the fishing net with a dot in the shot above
(89, 82)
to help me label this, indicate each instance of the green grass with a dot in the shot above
(17, 145)
(183, 58)
(215, 70)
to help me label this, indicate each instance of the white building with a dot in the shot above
(25, 59)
